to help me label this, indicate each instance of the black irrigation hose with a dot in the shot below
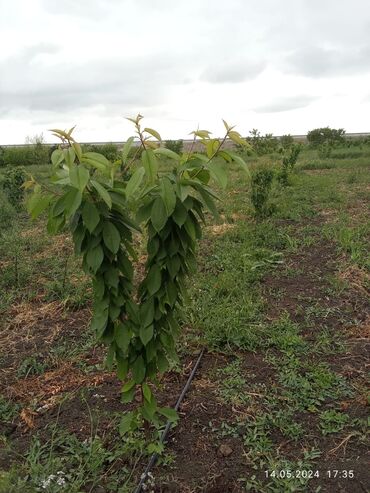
(154, 457)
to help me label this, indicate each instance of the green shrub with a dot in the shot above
(263, 144)
(286, 141)
(135, 151)
(288, 164)
(174, 145)
(7, 212)
(2, 151)
(25, 155)
(324, 150)
(138, 323)
(261, 188)
(12, 185)
(109, 150)
(320, 136)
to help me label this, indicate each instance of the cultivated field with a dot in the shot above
(281, 305)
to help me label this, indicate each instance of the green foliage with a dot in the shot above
(332, 421)
(260, 196)
(12, 185)
(34, 152)
(233, 385)
(109, 150)
(286, 141)
(7, 212)
(2, 151)
(324, 150)
(319, 136)
(33, 365)
(92, 198)
(262, 144)
(8, 410)
(288, 162)
(174, 145)
(67, 463)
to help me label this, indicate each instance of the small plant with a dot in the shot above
(286, 141)
(174, 145)
(8, 410)
(7, 212)
(33, 365)
(232, 386)
(92, 198)
(261, 188)
(289, 160)
(263, 144)
(331, 421)
(12, 185)
(324, 150)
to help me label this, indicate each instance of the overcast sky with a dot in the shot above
(278, 66)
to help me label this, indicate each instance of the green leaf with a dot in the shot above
(180, 214)
(128, 386)
(203, 134)
(219, 174)
(240, 161)
(37, 204)
(208, 200)
(111, 276)
(126, 149)
(226, 125)
(173, 265)
(94, 258)
(128, 392)
(99, 322)
(73, 201)
(168, 195)
(77, 148)
(122, 336)
(102, 192)
(190, 229)
(79, 177)
(109, 360)
(126, 423)
(69, 156)
(57, 157)
(138, 370)
(153, 280)
(134, 182)
(163, 151)
(152, 132)
(235, 137)
(162, 362)
(111, 237)
(147, 392)
(169, 413)
(146, 334)
(147, 313)
(96, 160)
(150, 164)
(90, 216)
(122, 367)
(158, 214)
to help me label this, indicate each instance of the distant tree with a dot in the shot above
(174, 145)
(325, 135)
(286, 141)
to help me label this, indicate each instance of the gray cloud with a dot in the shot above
(279, 105)
(314, 61)
(232, 72)
(135, 82)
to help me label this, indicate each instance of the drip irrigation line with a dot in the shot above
(154, 457)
